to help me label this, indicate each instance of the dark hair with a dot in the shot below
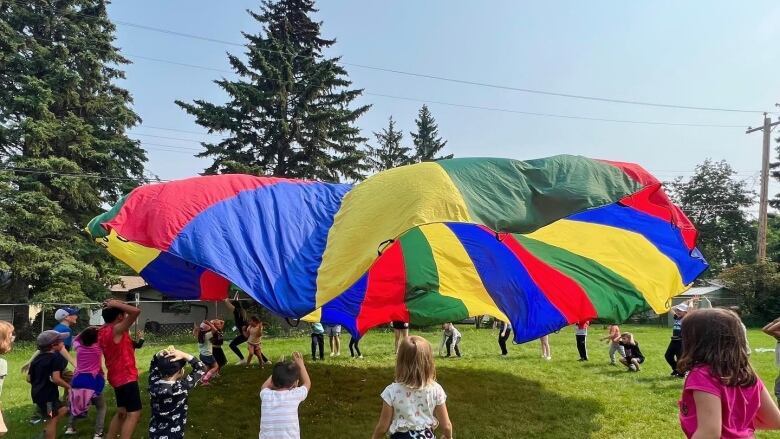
(166, 365)
(111, 314)
(715, 338)
(256, 319)
(88, 336)
(285, 374)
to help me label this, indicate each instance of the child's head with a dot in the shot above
(627, 337)
(414, 366)
(6, 336)
(49, 341)
(67, 316)
(88, 336)
(112, 315)
(218, 324)
(254, 320)
(285, 375)
(168, 367)
(715, 337)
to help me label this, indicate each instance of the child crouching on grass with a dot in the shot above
(280, 395)
(169, 388)
(633, 356)
(414, 405)
(45, 376)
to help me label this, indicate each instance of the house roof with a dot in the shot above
(701, 291)
(128, 283)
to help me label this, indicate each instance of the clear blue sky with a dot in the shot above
(714, 54)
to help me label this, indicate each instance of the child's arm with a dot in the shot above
(124, 325)
(229, 304)
(267, 384)
(385, 418)
(768, 416)
(708, 415)
(441, 414)
(26, 366)
(198, 369)
(772, 328)
(66, 355)
(305, 379)
(56, 378)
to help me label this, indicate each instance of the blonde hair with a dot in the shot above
(6, 336)
(414, 366)
(630, 337)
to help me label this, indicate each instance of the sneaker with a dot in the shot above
(332, 354)
(632, 367)
(548, 358)
(360, 356)
(241, 362)
(98, 436)
(70, 431)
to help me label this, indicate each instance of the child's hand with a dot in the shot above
(179, 355)
(297, 357)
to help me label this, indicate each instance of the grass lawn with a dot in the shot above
(521, 396)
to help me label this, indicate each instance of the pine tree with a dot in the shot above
(289, 113)
(389, 153)
(62, 122)
(426, 141)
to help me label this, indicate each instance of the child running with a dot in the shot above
(633, 356)
(722, 395)
(254, 341)
(45, 376)
(204, 334)
(451, 338)
(613, 339)
(217, 340)
(169, 388)
(414, 405)
(88, 381)
(280, 396)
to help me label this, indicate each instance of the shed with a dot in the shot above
(712, 296)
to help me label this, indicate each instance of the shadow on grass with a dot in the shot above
(345, 403)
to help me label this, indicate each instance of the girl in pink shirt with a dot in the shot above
(722, 396)
(88, 382)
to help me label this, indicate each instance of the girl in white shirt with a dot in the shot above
(414, 405)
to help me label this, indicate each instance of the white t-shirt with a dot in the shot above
(279, 413)
(413, 408)
(3, 373)
(206, 348)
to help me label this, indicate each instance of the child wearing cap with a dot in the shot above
(66, 318)
(45, 375)
(280, 396)
(168, 389)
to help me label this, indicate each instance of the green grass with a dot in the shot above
(521, 396)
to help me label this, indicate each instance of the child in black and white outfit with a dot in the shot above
(168, 389)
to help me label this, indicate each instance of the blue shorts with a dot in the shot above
(88, 381)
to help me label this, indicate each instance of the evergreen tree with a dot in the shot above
(289, 113)
(389, 153)
(62, 131)
(426, 141)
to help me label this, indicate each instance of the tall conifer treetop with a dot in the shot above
(427, 142)
(388, 153)
(289, 114)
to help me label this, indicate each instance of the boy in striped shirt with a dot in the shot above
(280, 395)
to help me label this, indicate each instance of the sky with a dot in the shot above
(704, 54)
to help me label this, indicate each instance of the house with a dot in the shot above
(159, 314)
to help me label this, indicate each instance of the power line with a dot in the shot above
(477, 107)
(75, 174)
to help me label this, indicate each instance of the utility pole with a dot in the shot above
(762, 209)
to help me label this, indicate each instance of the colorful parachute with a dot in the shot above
(541, 243)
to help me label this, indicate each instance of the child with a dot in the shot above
(722, 395)
(169, 388)
(674, 350)
(353, 342)
(773, 329)
(581, 333)
(546, 351)
(254, 341)
(217, 340)
(317, 340)
(6, 342)
(280, 395)
(504, 331)
(66, 318)
(88, 381)
(613, 339)
(205, 333)
(45, 375)
(633, 356)
(334, 339)
(415, 404)
(450, 338)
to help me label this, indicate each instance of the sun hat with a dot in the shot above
(683, 307)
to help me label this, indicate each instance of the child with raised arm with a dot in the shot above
(280, 396)
(169, 389)
(613, 339)
(722, 395)
(205, 333)
(45, 376)
(414, 406)
(88, 381)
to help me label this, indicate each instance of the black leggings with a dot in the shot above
(238, 341)
(354, 342)
(449, 344)
(583, 350)
(317, 340)
(502, 341)
(673, 353)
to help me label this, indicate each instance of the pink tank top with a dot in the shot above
(120, 357)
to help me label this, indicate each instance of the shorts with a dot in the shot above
(208, 360)
(416, 434)
(49, 409)
(333, 331)
(88, 381)
(128, 396)
(219, 355)
(254, 348)
(400, 325)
